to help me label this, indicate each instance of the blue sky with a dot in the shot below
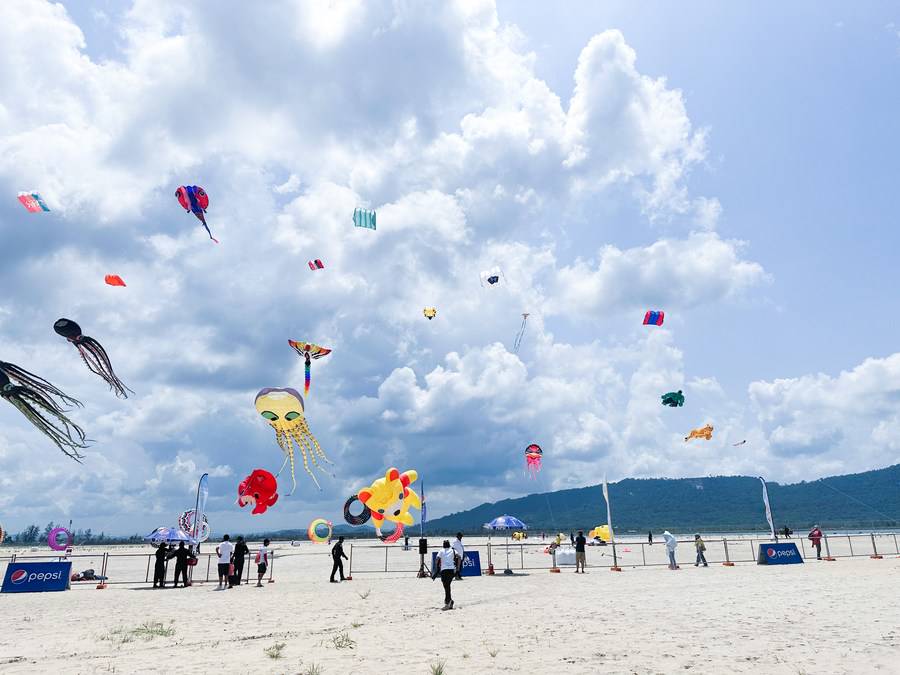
(733, 164)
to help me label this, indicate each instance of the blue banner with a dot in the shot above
(471, 566)
(778, 554)
(31, 577)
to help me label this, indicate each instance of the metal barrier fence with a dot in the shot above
(517, 555)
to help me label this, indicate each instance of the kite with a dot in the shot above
(193, 199)
(520, 334)
(316, 265)
(57, 544)
(533, 455)
(734, 445)
(703, 432)
(113, 280)
(429, 312)
(654, 318)
(364, 218)
(388, 498)
(283, 409)
(32, 202)
(33, 397)
(492, 276)
(93, 354)
(186, 523)
(315, 527)
(308, 351)
(2, 533)
(600, 532)
(259, 490)
(673, 399)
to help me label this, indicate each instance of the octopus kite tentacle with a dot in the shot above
(46, 416)
(93, 354)
(38, 384)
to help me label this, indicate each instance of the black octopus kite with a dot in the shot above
(93, 354)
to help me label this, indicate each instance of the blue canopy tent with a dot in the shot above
(169, 535)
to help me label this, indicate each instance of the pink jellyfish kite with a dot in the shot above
(533, 455)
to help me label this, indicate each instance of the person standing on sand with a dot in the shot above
(460, 552)
(159, 569)
(671, 545)
(815, 536)
(224, 551)
(240, 557)
(580, 556)
(337, 553)
(446, 567)
(181, 555)
(650, 537)
(262, 562)
(701, 547)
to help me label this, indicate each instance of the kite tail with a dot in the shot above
(60, 430)
(32, 381)
(97, 360)
(307, 378)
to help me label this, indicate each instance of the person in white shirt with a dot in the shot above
(460, 553)
(224, 550)
(262, 562)
(446, 565)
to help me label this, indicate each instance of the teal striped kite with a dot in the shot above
(364, 218)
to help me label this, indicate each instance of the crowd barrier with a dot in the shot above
(527, 555)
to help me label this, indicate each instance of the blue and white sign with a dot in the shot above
(32, 577)
(778, 554)
(471, 566)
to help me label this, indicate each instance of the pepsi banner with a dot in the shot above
(778, 554)
(471, 566)
(31, 577)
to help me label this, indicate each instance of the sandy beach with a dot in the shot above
(820, 617)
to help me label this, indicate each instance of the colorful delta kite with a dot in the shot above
(32, 202)
(259, 490)
(673, 399)
(113, 280)
(319, 531)
(520, 334)
(364, 218)
(93, 354)
(533, 457)
(316, 265)
(654, 318)
(389, 498)
(702, 432)
(194, 199)
(492, 276)
(33, 397)
(429, 313)
(308, 351)
(283, 410)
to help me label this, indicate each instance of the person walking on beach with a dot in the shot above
(671, 545)
(241, 551)
(701, 548)
(580, 556)
(815, 536)
(262, 562)
(337, 554)
(159, 569)
(224, 551)
(446, 567)
(460, 552)
(650, 537)
(181, 555)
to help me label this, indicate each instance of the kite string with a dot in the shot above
(822, 481)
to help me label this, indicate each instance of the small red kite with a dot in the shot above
(114, 280)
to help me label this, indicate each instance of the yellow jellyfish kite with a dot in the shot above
(283, 410)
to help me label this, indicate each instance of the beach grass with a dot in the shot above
(313, 669)
(437, 668)
(274, 652)
(365, 594)
(146, 631)
(343, 641)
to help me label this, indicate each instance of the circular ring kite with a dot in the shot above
(186, 523)
(53, 539)
(313, 533)
(361, 518)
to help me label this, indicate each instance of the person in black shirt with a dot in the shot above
(241, 551)
(181, 555)
(650, 537)
(579, 542)
(337, 552)
(159, 569)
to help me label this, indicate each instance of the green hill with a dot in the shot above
(717, 503)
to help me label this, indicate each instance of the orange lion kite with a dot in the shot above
(703, 432)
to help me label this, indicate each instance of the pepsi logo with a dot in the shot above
(18, 577)
(770, 552)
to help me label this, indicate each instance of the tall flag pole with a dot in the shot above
(612, 536)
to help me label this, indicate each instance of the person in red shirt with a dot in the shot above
(815, 536)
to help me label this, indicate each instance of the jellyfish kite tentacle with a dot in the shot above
(308, 434)
(284, 441)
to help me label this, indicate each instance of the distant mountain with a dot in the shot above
(717, 503)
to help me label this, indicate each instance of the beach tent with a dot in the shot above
(169, 535)
(506, 523)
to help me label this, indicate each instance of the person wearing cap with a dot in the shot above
(580, 555)
(701, 547)
(459, 552)
(446, 567)
(815, 536)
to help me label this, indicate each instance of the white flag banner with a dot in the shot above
(768, 509)
(612, 537)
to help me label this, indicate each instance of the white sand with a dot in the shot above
(820, 617)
